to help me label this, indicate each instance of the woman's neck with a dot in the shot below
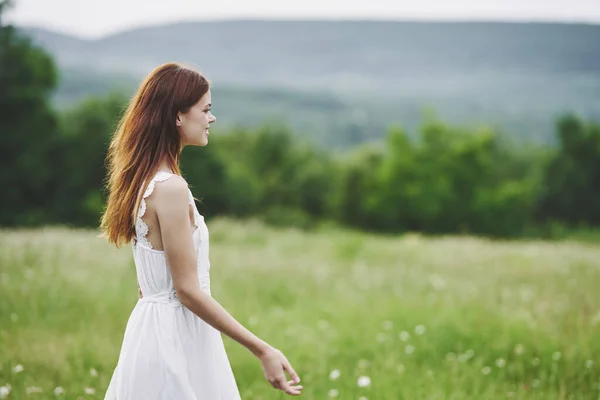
(164, 167)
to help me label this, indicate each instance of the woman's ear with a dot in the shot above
(178, 119)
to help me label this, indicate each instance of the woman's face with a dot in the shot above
(194, 125)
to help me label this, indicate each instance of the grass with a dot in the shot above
(422, 318)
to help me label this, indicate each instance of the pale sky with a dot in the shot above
(96, 18)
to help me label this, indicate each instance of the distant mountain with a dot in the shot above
(518, 76)
(337, 54)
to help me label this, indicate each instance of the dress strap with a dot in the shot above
(141, 228)
(197, 217)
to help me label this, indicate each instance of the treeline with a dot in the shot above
(443, 179)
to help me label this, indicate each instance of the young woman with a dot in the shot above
(172, 347)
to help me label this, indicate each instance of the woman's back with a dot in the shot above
(168, 352)
(153, 273)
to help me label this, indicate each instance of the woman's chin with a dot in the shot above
(201, 141)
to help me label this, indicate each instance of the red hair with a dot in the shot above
(146, 136)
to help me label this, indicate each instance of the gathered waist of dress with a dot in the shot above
(170, 296)
(167, 297)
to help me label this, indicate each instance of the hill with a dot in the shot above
(384, 54)
(517, 76)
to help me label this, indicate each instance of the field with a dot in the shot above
(359, 316)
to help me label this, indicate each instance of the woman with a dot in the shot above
(172, 346)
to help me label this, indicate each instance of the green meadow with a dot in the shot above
(359, 316)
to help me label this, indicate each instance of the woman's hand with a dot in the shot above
(275, 365)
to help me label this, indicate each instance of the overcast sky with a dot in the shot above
(89, 18)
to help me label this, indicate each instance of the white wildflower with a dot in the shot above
(556, 356)
(486, 370)
(404, 336)
(4, 391)
(333, 375)
(18, 368)
(409, 349)
(333, 393)
(387, 325)
(420, 329)
(589, 364)
(93, 372)
(500, 363)
(58, 391)
(364, 381)
(89, 390)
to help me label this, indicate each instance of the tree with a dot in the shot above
(29, 139)
(571, 184)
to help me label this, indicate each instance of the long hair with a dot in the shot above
(145, 136)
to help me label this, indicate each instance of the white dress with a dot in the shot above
(168, 352)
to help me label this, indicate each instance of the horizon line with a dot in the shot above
(423, 20)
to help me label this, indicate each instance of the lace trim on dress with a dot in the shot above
(141, 228)
(197, 216)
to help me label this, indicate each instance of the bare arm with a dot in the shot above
(172, 211)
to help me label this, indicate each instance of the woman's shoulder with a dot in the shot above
(168, 180)
(164, 192)
(171, 184)
(170, 195)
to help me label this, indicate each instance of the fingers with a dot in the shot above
(293, 390)
(279, 381)
(288, 388)
(290, 370)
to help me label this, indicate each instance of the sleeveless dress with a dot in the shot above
(168, 352)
